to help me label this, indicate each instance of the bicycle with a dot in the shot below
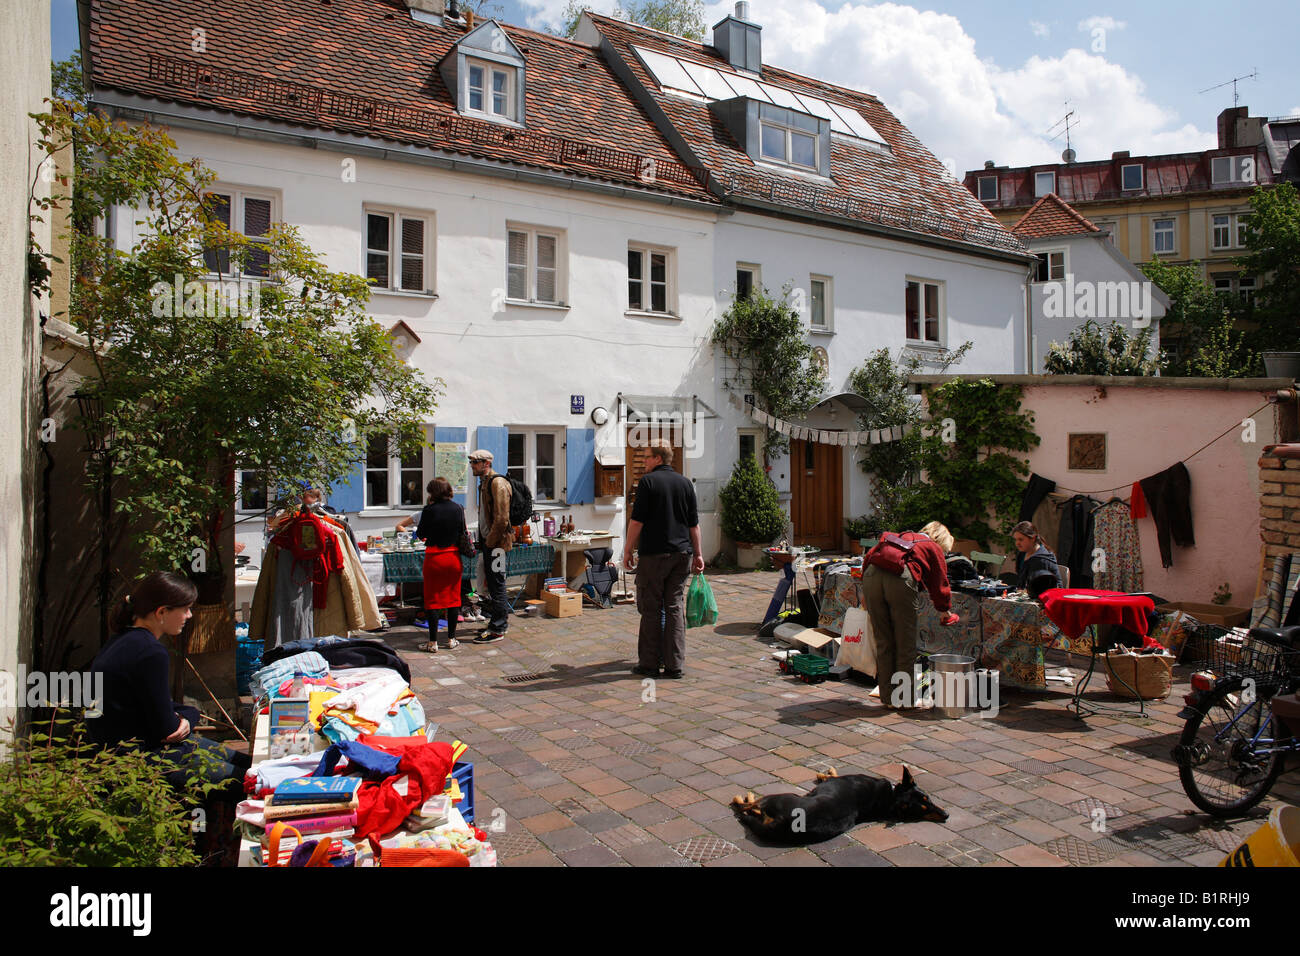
(1233, 747)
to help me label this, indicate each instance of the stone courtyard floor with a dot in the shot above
(582, 766)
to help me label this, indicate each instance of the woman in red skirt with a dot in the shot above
(441, 524)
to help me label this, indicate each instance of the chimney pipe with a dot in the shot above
(989, 164)
(742, 9)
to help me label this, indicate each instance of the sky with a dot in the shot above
(976, 81)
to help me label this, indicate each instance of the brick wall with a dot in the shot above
(1279, 505)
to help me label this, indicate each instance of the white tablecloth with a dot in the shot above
(373, 565)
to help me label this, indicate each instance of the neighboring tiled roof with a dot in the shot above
(365, 67)
(905, 188)
(1051, 216)
(1174, 174)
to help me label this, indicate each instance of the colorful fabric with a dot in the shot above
(270, 678)
(838, 595)
(381, 807)
(1116, 535)
(1074, 609)
(963, 638)
(365, 760)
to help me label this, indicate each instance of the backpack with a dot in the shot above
(890, 554)
(521, 501)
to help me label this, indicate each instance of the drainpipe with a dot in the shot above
(1029, 318)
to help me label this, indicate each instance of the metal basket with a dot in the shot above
(1209, 648)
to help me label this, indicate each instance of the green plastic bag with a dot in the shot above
(701, 608)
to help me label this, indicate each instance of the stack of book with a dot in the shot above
(317, 807)
(557, 585)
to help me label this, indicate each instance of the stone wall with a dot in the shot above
(1279, 504)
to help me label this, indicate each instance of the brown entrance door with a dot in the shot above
(816, 500)
(638, 454)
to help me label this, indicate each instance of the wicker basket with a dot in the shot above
(211, 629)
(1148, 676)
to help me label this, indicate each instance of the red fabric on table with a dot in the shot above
(1073, 609)
(442, 574)
(381, 809)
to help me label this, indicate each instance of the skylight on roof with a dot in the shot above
(697, 79)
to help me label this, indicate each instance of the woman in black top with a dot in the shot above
(137, 705)
(1035, 561)
(440, 526)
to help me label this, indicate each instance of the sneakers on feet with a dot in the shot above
(489, 637)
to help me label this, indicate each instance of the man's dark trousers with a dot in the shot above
(661, 590)
(498, 619)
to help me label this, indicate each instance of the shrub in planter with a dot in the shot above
(65, 802)
(751, 510)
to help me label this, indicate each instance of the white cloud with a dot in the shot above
(1040, 29)
(1104, 23)
(925, 68)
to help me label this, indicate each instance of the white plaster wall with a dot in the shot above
(24, 84)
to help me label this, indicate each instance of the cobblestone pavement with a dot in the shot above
(583, 764)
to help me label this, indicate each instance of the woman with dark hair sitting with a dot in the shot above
(440, 526)
(137, 708)
(1034, 560)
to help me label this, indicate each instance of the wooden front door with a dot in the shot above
(816, 500)
(638, 454)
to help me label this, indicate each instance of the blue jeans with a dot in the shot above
(205, 759)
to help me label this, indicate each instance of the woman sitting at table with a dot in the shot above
(137, 708)
(1033, 558)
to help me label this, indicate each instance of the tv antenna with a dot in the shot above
(1068, 155)
(1250, 76)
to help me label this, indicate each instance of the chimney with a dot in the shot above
(989, 164)
(1229, 124)
(430, 7)
(738, 40)
(1122, 154)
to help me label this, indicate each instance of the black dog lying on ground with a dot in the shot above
(836, 805)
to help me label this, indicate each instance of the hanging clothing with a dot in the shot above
(314, 544)
(1076, 539)
(1035, 493)
(1116, 535)
(1169, 496)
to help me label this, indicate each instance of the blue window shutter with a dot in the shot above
(497, 441)
(580, 465)
(349, 495)
(452, 435)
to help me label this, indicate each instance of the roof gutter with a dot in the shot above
(903, 235)
(156, 112)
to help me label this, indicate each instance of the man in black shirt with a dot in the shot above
(665, 532)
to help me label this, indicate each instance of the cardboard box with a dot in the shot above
(814, 640)
(562, 603)
(1220, 614)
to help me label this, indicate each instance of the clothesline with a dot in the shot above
(1186, 459)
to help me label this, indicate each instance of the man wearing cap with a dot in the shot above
(495, 538)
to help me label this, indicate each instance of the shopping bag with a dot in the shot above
(701, 608)
(857, 650)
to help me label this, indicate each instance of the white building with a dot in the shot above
(1081, 276)
(548, 237)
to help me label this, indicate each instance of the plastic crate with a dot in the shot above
(248, 658)
(810, 668)
(464, 774)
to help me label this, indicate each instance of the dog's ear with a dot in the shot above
(907, 780)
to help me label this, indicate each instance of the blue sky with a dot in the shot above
(978, 80)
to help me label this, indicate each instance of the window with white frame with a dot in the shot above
(1243, 287)
(650, 285)
(1241, 220)
(490, 90)
(820, 305)
(249, 214)
(747, 279)
(1162, 236)
(1232, 169)
(788, 137)
(1051, 266)
(393, 480)
(536, 457)
(1221, 232)
(923, 306)
(1131, 176)
(988, 186)
(399, 250)
(1044, 183)
(535, 264)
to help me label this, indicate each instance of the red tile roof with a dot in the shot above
(905, 188)
(366, 67)
(1052, 216)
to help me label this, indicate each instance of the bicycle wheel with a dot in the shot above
(1216, 764)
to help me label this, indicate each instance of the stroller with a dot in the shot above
(598, 583)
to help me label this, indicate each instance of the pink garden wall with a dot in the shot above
(1149, 425)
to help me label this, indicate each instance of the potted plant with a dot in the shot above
(1282, 365)
(751, 512)
(867, 526)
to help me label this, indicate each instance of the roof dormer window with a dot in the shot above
(484, 72)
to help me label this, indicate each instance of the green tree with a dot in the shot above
(1197, 334)
(1094, 350)
(283, 376)
(765, 338)
(751, 508)
(683, 18)
(1273, 238)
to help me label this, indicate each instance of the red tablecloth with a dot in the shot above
(1073, 609)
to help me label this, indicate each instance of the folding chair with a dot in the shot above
(985, 557)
